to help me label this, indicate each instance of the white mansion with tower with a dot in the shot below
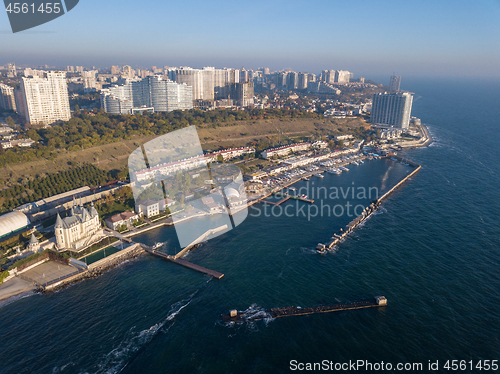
(77, 230)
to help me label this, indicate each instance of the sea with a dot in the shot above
(433, 250)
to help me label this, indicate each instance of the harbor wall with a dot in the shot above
(100, 267)
(369, 210)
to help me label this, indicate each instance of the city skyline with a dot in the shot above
(410, 39)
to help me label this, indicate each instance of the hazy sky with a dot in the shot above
(369, 38)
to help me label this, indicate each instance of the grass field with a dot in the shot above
(114, 156)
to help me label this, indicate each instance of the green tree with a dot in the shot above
(9, 121)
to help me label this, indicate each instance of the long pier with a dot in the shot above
(369, 210)
(199, 240)
(184, 263)
(236, 316)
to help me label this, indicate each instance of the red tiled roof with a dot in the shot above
(122, 217)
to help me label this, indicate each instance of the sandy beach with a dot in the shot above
(14, 287)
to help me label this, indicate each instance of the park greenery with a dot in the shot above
(87, 129)
(121, 201)
(3, 275)
(31, 190)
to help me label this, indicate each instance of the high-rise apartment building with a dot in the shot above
(281, 79)
(45, 99)
(395, 83)
(202, 81)
(128, 72)
(154, 91)
(292, 80)
(224, 78)
(328, 76)
(243, 93)
(342, 76)
(393, 109)
(11, 70)
(7, 98)
(302, 82)
(336, 76)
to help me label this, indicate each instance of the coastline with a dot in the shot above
(14, 289)
(136, 249)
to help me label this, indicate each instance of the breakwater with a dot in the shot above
(236, 316)
(369, 210)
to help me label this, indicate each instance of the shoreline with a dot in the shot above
(15, 289)
(102, 266)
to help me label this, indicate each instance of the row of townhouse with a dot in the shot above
(190, 163)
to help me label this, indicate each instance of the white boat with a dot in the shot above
(335, 171)
(320, 175)
(158, 245)
(355, 163)
(343, 168)
(306, 179)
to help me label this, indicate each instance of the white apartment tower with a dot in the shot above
(7, 100)
(45, 99)
(155, 91)
(393, 109)
(395, 83)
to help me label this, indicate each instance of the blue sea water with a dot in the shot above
(432, 250)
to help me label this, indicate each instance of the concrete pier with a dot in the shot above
(184, 263)
(199, 240)
(236, 316)
(369, 210)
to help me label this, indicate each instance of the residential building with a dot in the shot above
(77, 230)
(7, 98)
(128, 72)
(11, 70)
(395, 83)
(155, 92)
(243, 93)
(342, 76)
(45, 99)
(201, 81)
(393, 109)
(328, 76)
(149, 208)
(285, 150)
(302, 81)
(125, 218)
(281, 79)
(292, 80)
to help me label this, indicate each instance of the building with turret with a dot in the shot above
(76, 230)
(34, 244)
